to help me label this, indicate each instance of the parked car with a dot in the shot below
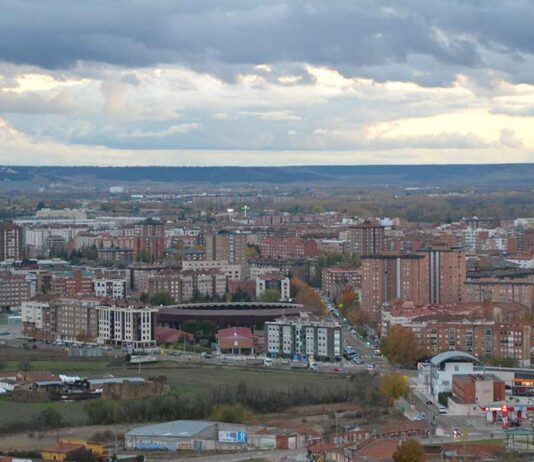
(442, 410)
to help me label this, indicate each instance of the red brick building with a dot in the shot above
(338, 278)
(511, 288)
(287, 247)
(365, 238)
(72, 282)
(476, 388)
(149, 243)
(393, 276)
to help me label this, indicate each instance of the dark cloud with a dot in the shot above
(219, 37)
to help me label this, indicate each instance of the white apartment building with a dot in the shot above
(276, 282)
(304, 336)
(31, 313)
(115, 288)
(127, 326)
(232, 271)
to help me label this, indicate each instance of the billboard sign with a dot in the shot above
(232, 437)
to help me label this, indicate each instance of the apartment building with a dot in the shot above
(115, 288)
(232, 271)
(70, 319)
(447, 273)
(10, 242)
(183, 286)
(39, 319)
(304, 336)
(72, 282)
(287, 247)
(364, 239)
(116, 254)
(339, 278)
(273, 282)
(76, 319)
(466, 328)
(14, 289)
(387, 277)
(507, 288)
(149, 243)
(128, 326)
(229, 246)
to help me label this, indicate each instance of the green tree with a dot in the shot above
(161, 298)
(231, 413)
(143, 256)
(410, 451)
(48, 418)
(443, 398)
(25, 366)
(270, 296)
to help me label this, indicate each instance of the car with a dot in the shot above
(442, 410)
(370, 366)
(267, 362)
(285, 361)
(429, 402)
(357, 361)
(456, 432)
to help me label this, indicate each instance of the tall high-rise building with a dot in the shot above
(365, 239)
(393, 276)
(447, 274)
(149, 241)
(10, 242)
(229, 246)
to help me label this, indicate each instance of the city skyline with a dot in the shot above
(266, 83)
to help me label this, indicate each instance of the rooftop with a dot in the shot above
(176, 428)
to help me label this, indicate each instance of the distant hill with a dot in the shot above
(491, 175)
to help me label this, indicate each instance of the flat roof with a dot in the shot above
(115, 380)
(176, 428)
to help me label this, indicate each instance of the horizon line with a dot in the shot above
(467, 164)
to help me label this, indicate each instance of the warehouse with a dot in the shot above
(189, 434)
(171, 436)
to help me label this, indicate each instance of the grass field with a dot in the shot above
(202, 378)
(13, 412)
(89, 368)
(188, 378)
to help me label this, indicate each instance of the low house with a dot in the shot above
(166, 335)
(64, 451)
(235, 340)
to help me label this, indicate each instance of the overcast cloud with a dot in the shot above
(266, 82)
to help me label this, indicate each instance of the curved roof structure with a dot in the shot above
(452, 355)
(236, 306)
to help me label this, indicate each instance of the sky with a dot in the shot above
(245, 82)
